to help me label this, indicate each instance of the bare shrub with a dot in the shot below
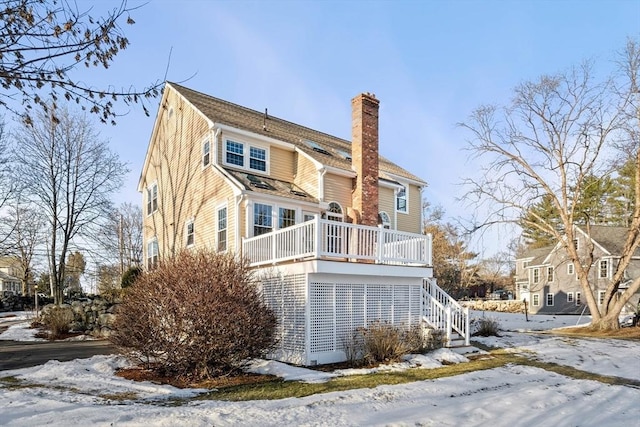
(384, 342)
(486, 327)
(58, 321)
(197, 315)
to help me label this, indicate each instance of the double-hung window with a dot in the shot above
(206, 153)
(549, 300)
(536, 300)
(222, 229)
(190, 233)
(262, 219)
(152, 253)
(286, 217)
(549, 274)
(536, 275)
(570, 269)
(258, 159)
(236, 155)
(401, 200)
(152, 198)
(603, 271)
(569, 296)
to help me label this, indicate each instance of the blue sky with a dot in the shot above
(429, 62)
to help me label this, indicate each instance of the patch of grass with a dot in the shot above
(279, 389)
(577, 374)
(632, 333)
(120, 397)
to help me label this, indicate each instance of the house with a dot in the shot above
(548, 280)
(10, 268)
(332, 228)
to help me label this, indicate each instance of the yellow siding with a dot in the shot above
(387, 202)
(184, 188)
(410, 221)
(282, 164)
(306, 175)
(338, 189)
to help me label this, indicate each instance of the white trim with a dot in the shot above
(570, 297)
(147, 198)
(535, 297)
(246, 155)
(187, 223)
(261, 138)
(217, 229)
(206, 141)
(406, 199)
(546, 299)
(405, 179)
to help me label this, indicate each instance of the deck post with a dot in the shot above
(447, 311)
(467, 339)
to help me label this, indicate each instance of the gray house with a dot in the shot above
(547, 279)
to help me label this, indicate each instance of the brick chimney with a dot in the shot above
(364, 155)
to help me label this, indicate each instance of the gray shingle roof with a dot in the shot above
(227, 113)
(609, 237)
(262, 184)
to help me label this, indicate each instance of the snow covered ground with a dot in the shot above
(82, 392)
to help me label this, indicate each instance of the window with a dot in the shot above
(258, 159)
(206, 153)
(383, 220)
(569, 296)
(570, 269)
(152, 199)
(550, 300)
(600, 297)
(603, 270)
(262, 219)
(578, 298)
(286, 217)
(401, 200)
(549, 274)
(575, 244)
(536, 275)
(536, 300)
(190, 233)
(152, 254)
(222, 229)
(235, 153)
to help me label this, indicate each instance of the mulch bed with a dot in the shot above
(140, 374)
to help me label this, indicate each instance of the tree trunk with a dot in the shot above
(608, 322)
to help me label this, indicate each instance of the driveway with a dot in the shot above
(21, 354)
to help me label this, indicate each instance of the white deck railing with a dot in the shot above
(441, 311)
(321, 238)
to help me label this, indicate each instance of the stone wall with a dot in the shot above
(93, 317)
(504, 306)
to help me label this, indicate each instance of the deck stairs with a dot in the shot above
(441, 311)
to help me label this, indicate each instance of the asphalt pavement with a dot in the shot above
(25, 354)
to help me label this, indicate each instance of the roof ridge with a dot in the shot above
(271, 117)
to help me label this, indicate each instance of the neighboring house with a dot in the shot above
(332, 228)
(548, 280)
(10, 269)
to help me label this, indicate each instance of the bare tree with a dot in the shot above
(557, 133)
(7, 191)
(70, 175)
(121, 237)
(42, 41)
(26, 224)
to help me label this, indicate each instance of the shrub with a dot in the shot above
(384, 342)
(58, 321)
(486, 327)
(129, 277)
(197, 315)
